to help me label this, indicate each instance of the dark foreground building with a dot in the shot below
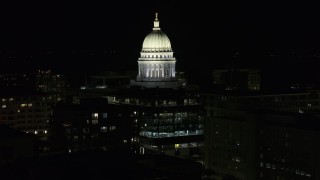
(264, 145)
(102, 165)
(91, 124)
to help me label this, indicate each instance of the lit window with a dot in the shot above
(30, 105)
(23, 105)
(177, 146)
(95, 118)
(95, 115)
(3, 106)
(125, 141)
(45, 131)
(35, 132)
(4, 100)
(10, 99)
(104, 129)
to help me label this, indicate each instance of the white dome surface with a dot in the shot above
(156, 41)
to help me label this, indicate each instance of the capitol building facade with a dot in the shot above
(156, 65)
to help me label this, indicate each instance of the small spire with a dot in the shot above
(156, 17)
(156, 23)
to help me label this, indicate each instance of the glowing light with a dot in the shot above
(141, 150)
(101, 87)
(177, 146)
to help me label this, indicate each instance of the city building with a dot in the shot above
(156, 65)
(263, 145)
(16, 145)
(237, 79)
(166, 114)
(96, 165)
(168, 121)
(52, 84)
(27, 112)
(262, 135)
(90, 125)
(27, 102)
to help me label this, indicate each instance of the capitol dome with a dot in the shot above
(156, 41)
(156, 65)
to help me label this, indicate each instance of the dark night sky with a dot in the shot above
(206, 32)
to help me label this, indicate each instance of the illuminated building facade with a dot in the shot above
(166, 115)
(51, 84)
(168, 121)
(156, 65)
(29, 113)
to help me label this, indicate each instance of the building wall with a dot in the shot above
(27, 113)
(168, 121)
(238, 141)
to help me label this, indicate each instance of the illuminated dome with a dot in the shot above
(156, 64)
(156, 41)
